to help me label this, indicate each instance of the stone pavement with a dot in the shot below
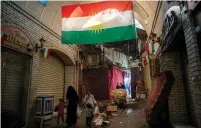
(129, 118)
(133, 118)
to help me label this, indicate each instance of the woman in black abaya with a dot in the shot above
(73, 101)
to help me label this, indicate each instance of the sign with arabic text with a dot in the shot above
(14, 38)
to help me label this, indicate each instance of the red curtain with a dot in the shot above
(114, 76)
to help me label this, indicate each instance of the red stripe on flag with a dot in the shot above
(147, 46)
(82, 10)
(48, 52)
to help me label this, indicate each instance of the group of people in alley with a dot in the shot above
(120, 86)
(73, 107)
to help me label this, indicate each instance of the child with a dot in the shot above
(89, 115)
(60, 108)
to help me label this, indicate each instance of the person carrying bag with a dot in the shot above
(89, 99)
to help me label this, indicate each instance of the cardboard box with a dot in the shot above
(112, 108)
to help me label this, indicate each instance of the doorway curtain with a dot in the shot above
(114, 76)
(96, 80)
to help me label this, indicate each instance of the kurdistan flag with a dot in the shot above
(147, 59)
(45, 52)
(100, 22)
(150, 48)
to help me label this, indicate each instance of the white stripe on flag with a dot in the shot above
(116, 19)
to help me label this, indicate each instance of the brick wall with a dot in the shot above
(194, 68)
(15, 16)
(35, 29)
(177, 106)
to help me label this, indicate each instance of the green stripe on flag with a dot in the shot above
(43, 52)
(149, 59)
(104, 36)
(152, 47)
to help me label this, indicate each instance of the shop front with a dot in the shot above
(27, 74)
(15, 72)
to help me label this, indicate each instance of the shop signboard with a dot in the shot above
(15, 39)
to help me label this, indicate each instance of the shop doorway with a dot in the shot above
(15, 71)
(127, 83)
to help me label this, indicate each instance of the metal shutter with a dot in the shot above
(15, 77)
(69, 78)
(51, 81)
(12, 82)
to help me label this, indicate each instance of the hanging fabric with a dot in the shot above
(114, 76)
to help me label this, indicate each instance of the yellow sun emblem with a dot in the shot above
(96, 28)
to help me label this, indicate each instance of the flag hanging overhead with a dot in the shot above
(100, 22)
(147, 59)
(149, 47)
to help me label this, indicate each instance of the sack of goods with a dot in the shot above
(118, 95)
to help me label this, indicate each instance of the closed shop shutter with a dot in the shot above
(14, 83)
(51, 81)
(69, 78)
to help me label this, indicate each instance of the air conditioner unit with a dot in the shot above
(45, 105)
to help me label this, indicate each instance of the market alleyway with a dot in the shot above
(133, 115)
(142, 53)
